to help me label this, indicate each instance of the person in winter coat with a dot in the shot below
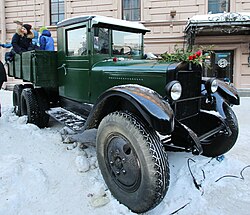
(46, 42)
(22, 39)
(35, 41)
(3, 76)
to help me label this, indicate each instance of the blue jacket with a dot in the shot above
(46, 41)
(35, 39)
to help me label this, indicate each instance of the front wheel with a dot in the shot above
(132, 161)
(222, 142)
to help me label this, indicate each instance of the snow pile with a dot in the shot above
(42, 174)
(19, 182)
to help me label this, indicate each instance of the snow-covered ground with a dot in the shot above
(41, 175)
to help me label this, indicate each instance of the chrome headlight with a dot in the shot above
(211, 85)
(173, 90)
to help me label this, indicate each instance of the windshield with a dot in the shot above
(126, 43)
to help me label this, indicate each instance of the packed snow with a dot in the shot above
(45, 172)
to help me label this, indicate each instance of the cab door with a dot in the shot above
(74, 64)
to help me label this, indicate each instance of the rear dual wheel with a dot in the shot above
(29, 106)
(17, 91)
(43, 104)
(31, 102)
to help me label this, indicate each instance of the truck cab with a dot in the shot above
(93, 52)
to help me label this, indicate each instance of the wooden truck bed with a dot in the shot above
(37, 67)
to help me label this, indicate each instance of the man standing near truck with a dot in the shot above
(3, 76)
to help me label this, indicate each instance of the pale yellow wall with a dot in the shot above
(240, 46)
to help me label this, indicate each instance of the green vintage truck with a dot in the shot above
(99, 78)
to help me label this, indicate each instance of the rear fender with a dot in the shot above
(141, 101)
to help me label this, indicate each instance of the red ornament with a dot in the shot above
(198, 53)
(115, 59)
(191, 57)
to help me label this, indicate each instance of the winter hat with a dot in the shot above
(42, 28)
(28, 27)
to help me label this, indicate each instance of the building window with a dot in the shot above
(131, 10)
(56, 11)
(218, 6)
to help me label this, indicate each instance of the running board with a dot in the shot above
(69, 119)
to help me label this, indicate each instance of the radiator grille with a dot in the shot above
(189, 104)
(187, 108)
(190, 82)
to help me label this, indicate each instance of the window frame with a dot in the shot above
(132, 54)
(218, 4)
(131, 10)
(58, 2)
(67, 40)
(95, 50)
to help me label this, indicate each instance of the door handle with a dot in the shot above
(63, 66)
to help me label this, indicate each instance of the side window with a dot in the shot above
(101, 40)
(77, 42)
(131, 10)
(218, 6)
(56, 11)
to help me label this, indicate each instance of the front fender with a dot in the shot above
(142, 101)
(228, 92)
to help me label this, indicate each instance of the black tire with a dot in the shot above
(222, 143)
(43, 104)
(29, 106)
(132, 161)
(17, 91)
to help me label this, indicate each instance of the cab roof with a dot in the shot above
(96, 19)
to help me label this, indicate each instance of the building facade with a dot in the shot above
(172, 22)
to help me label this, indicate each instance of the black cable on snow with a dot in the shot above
(234, 176)
(180, 208)
(197, 185)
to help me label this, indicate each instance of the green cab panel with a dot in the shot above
(73, 69)
(109, 73)
(74, 79)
